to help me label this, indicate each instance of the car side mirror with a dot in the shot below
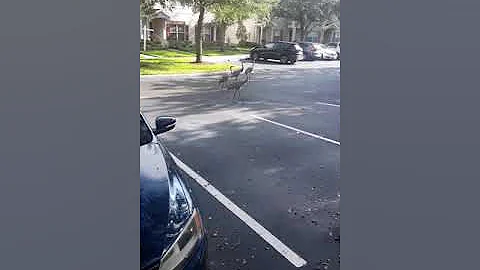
(164, 124)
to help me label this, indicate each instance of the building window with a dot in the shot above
(313, 37)
(336, 36)
(277, 35)
(176, 32)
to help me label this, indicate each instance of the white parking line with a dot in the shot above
(285, 251)
(298, 130)
(328, 104)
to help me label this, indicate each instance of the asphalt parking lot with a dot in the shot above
(274, 153)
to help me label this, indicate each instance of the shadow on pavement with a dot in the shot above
(253, 164)
(241, 159)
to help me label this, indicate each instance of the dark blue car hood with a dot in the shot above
(154, 203)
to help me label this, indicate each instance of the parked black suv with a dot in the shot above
(286, 52)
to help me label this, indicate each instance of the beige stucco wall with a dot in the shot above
(231, 32)
(190, 18)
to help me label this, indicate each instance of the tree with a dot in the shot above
(307, 13)
(227, 14)
(335, 9)
(241, 32)
(201, 6)
(147, 7)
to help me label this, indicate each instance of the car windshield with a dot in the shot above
(145, 134)
(332, 45)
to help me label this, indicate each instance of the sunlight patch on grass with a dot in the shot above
(183, 65)
(169, 53)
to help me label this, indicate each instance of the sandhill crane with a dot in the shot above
(249, 70)
(235, 73)
(236, 86)
(223, 80)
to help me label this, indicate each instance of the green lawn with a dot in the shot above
(182, 65)
(169, 53)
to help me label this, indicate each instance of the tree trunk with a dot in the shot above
(302, 31)
(308, 28)
(198, 35)
(221, 38)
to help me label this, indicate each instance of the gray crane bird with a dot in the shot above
(237, 86)
(249, 70)
(223, 80)
(236, 73)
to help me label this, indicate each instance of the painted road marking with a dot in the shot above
(328, 104)
(285, 251)
(298, 130)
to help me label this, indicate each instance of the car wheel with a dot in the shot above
(284, 59)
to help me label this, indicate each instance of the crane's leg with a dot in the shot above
(235, 93)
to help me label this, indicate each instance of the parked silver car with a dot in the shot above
(335, 46)
(322, 52)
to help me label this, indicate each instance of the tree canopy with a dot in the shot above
(240, 10)
(308, 13)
